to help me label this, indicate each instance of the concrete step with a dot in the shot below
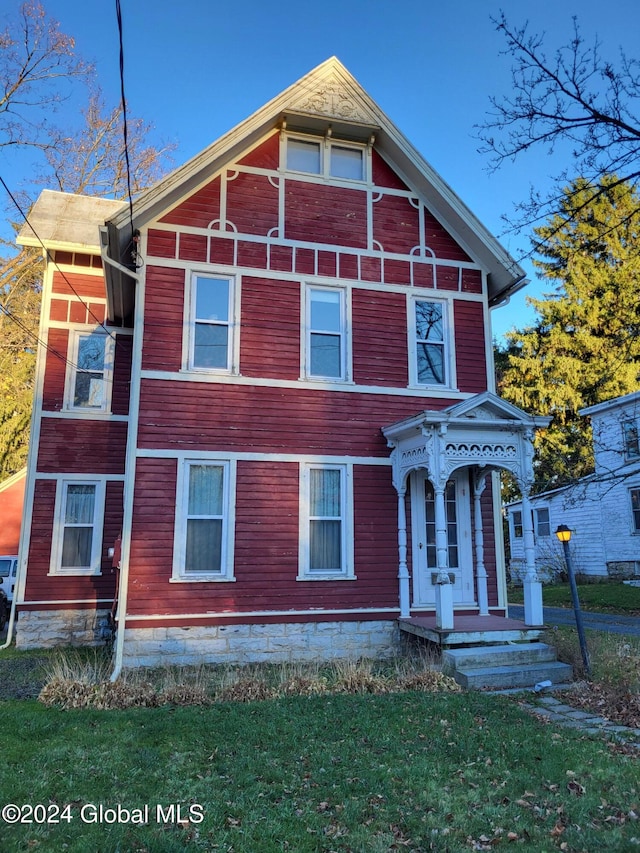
(518, 675)
(505, 655)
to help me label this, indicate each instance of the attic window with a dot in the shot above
(327, 158)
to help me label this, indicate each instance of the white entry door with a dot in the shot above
(459, 533)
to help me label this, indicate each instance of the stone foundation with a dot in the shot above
(241, 644)
(45, 629)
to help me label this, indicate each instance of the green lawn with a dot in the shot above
(605, 597)
(406, 771)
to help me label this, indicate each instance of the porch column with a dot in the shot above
(532, 587)
(403, 569)
(478, 538)
(444, 587)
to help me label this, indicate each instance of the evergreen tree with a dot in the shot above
(584, 347)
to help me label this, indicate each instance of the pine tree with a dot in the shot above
(584, 346)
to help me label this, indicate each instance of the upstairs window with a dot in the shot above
(211, 326)
(430, 343)
(89, 372)
(327, 158)
(631, 440)
(326, 337)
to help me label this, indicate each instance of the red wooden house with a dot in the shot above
(273, 376)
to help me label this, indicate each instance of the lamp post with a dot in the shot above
(564, 535)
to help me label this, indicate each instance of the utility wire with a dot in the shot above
(125, 130)
(50, 257)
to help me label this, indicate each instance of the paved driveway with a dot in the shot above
(612, 623)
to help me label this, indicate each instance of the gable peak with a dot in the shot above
(331, 92)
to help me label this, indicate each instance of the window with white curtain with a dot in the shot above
(327, 158)
(89, 371)
(326, 539)
(77, 539)
(203, 547)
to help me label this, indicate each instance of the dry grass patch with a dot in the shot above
(75, 681)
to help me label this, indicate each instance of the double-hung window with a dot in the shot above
(211, 344)
(325, 521)
(203, 542)
(631, 440)
(328, 158)
(77, 538)
(635, 509)
(543, 525)
(430, 343)
(516, 519)
(326, 333)
(90, 371)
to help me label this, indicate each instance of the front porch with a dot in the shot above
(471, 630)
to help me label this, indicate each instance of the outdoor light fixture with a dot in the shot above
(564, 535)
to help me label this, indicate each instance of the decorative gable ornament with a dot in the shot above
(332, 100)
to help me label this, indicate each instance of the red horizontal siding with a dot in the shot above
(201, 416)
(199, 209)
(78, 284)
(490, 560)
(384, 175)
(270, 343)
(440, 242)
(266, 545)
(379, 358)
(471, 357)
(395, 224)
(80, 445)
(11, 501)
(324, 214)
(193, 247)
(252, 204)
(40, 586)
(122, 375)
(266, 155)
(161, 244)
(164, 313)
(55, 370)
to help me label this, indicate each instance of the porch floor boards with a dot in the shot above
(471, 630)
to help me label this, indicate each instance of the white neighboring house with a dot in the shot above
(602, 510)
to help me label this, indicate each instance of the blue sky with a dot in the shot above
(195, 68)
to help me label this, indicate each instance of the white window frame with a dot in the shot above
(447, 343)
(73, 369)
(326, 146)
(635, 524)
(631, 439)
(232, 323)
(226, 572)
(346, 571)
(59, 525)
(344, 333)
(539, 522)
(517, 524)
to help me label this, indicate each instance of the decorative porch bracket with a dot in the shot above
(483, 434)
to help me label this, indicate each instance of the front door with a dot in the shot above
(423, 522)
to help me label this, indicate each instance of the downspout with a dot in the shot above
(123, 585)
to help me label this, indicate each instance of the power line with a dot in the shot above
(51, 258)
(125, 130)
